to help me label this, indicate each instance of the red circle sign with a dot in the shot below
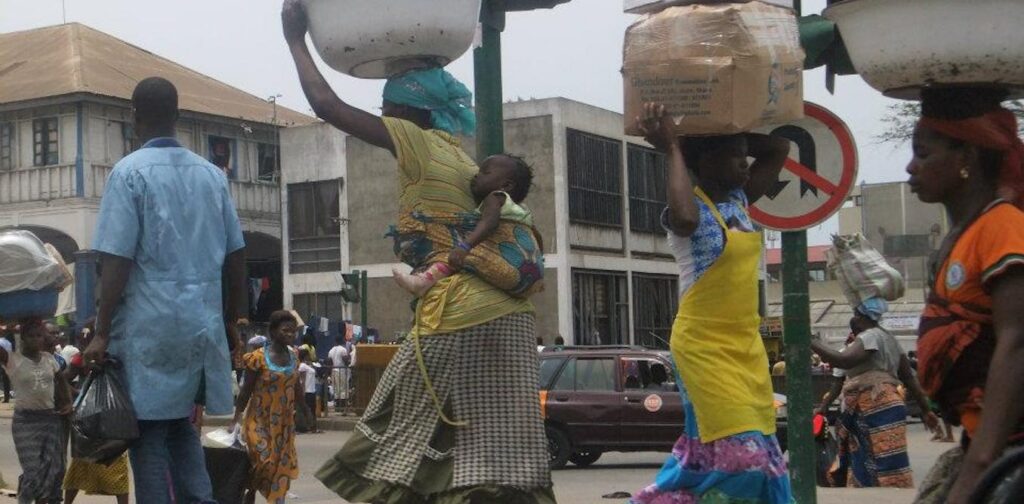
(817, 178)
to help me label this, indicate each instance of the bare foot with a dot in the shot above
(948, 439)
(418, 285)
(937, 437)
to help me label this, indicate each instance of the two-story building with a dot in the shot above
(65, 120)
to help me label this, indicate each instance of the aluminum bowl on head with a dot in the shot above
(898, 47)
(374, 39)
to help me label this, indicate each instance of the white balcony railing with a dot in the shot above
(252, 199)
(37, 184)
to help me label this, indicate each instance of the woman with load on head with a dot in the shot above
(456, 417)
(969, 158)
(872, 428)
(728, 452)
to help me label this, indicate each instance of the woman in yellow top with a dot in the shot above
(469, 428)
(727, 452)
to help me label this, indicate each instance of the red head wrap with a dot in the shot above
(996, 130)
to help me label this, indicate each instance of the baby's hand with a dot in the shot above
(457, 257)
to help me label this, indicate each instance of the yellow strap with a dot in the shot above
(714, 208)
(415, 335)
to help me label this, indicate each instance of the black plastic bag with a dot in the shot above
(103, 425)
(229, 473)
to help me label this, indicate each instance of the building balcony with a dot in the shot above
(254, 200)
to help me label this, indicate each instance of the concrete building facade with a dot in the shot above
(65, 120)
(597, 199)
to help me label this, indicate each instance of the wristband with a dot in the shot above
(464, 246)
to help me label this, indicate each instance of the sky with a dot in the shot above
(573, 51)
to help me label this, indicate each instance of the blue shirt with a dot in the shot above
(170, 212)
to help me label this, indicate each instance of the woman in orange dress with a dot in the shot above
(269, 392)
(969, 158)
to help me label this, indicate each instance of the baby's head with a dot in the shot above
(503, 172)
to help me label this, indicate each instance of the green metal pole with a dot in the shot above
(490, 134)
(797, 338)
(364, 299)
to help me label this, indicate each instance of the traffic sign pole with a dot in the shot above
(796, 335)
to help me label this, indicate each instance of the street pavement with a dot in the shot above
(614, 472)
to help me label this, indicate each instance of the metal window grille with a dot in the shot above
(655, 302)
(595, 179)
(269, 161)
(6, 146)
(313, 227)
(127, 138)
(600, 308)
(324, 304)
(44, 142)
(647, 172)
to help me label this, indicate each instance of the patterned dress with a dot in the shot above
(98, 479)
(710, 464)
(269, 427)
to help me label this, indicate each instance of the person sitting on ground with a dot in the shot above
(499, 189)
(270, 392)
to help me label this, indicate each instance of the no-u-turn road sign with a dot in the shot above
(818, 176)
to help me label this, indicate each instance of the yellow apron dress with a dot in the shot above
(717, 345)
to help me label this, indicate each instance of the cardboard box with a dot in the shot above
(718, 69)
(650, 6)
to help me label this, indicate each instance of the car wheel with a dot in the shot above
(559, 449)
(585, 458)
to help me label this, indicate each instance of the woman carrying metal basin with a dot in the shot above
(969, 158)
(456, 417)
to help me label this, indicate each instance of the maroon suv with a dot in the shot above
(600, 399)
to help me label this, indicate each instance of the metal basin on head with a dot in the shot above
(898, 47)
(375, 39)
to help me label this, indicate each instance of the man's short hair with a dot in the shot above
(156, 100)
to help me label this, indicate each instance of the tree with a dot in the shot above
(901, 117)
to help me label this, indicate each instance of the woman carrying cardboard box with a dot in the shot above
(728, 452)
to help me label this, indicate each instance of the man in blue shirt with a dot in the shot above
(167, 230)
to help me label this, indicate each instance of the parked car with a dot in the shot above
(612, 398)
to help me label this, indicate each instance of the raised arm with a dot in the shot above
(683, 213)
(769, 153)
(326, 104)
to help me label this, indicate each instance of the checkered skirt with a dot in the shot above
(486, 376)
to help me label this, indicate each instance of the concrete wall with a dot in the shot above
(389, 308)
(532, 139)
(372, 188)
(311, 153)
